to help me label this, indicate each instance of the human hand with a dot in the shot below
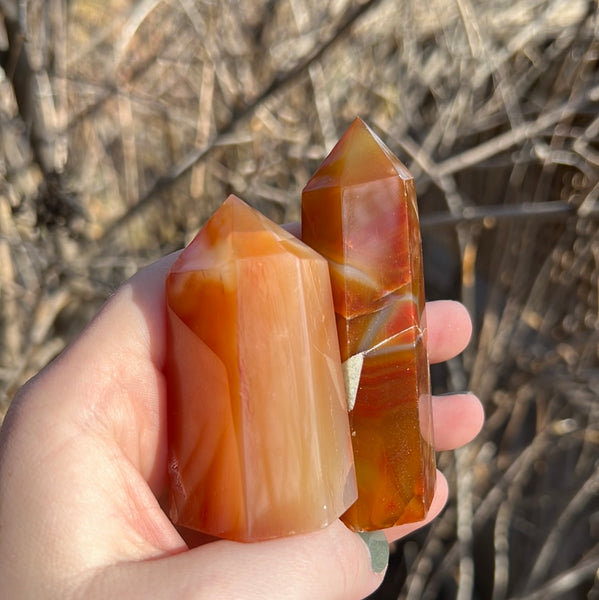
(83, 464)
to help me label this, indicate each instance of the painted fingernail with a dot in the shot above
(378, 547)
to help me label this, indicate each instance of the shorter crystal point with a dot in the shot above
(259, 441)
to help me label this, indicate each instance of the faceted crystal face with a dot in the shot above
(258, 431)
(359, 211)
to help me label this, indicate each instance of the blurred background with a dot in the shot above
(123, 125)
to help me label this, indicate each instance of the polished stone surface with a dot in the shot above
(359, 211)
(259, 438)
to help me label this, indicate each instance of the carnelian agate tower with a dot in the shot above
(258, 432)
(359, 211)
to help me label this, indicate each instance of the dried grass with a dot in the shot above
(124, 124)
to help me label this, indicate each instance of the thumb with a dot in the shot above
(333, 563)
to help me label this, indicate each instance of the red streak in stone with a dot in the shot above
(359, 211)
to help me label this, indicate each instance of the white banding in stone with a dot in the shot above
(381, 317)
(353, 273)
(381, 349)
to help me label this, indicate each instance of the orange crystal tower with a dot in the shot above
(359, 211)
(259, 438)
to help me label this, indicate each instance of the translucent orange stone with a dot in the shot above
(359, 211)
(259, 438)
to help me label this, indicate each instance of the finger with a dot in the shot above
(448, 328)
(457, 420)
(333, 563)
(437, 505)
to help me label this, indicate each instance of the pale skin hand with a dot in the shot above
(83, 459)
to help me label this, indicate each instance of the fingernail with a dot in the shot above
(461, 393)
(378, 547)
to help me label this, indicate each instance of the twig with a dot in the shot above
(489, 215)
(281, 81)
(444, 182)
(493, 498)
(425, 562)
(501, 546)
(560, 586)
(575, 507)
(321, 100)
(526, 131)
(464, 524)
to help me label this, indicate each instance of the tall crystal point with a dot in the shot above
(359, 211)
(259, 437)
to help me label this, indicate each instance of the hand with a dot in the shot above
(83, 464)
